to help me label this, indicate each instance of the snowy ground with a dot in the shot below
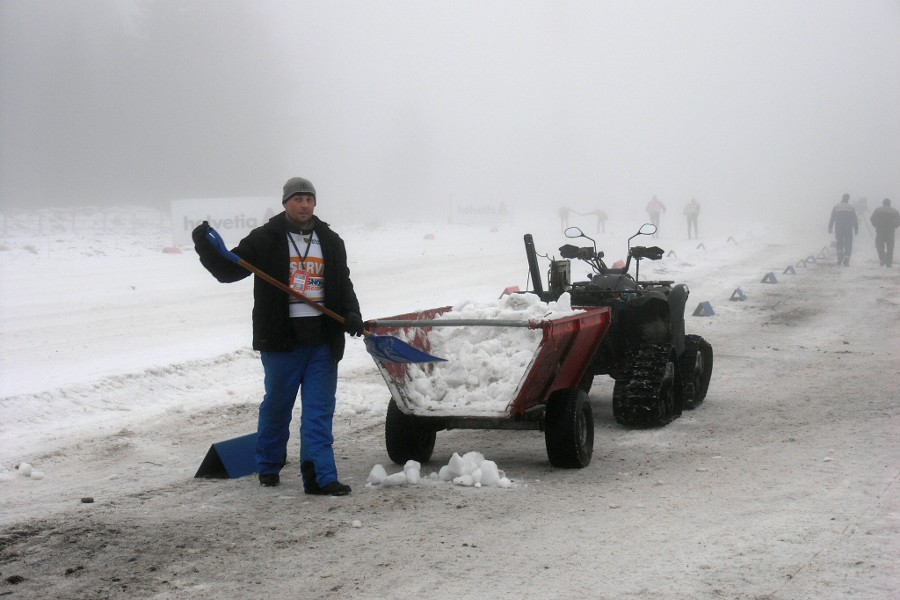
(121, 364)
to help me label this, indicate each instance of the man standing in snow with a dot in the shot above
(299, 347)
(564, 216)
(844, 224)
(601, 219)
(692, 211)
(885, 219)
(654, 208)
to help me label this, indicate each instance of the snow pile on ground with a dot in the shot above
(22, 470)
(486, 364)
(470, 470)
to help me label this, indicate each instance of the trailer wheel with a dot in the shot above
(646, 396)
(569, 429)
(406, 437)
(696, 365)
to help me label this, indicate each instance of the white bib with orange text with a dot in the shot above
(307, 273)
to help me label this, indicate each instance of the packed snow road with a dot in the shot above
(783, 484)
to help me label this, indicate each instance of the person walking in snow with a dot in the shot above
(692, 211)
(844, 224)
(885, 219)
(564, 212)
(654, 208)
(299, 347)
(601, 219)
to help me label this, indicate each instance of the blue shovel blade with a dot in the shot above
(394, 350)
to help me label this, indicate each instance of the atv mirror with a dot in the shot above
(647, 229)
(576, 232)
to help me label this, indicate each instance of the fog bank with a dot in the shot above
(768, 107)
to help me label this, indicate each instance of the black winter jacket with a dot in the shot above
(266, 248)
(885, 219)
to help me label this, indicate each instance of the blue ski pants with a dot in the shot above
(311, 370)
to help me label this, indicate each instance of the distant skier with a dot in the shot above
(654, 208)
(692, 211)
(564, 212)
(885, 219)
(601, 219)
(844, 224)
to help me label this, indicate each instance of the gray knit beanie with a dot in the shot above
(295, 186)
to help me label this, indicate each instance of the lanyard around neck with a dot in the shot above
(308, 244)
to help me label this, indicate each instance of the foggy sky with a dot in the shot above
(750, 106)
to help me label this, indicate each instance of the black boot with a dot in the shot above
(311, 486)
(269, 479)
(335, 488)
(308, 471)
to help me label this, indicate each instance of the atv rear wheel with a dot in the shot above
(569, 429)
(696, 365)
(646, 396)
(406, 437)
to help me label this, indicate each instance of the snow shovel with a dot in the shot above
(383, 347)
(532, 324)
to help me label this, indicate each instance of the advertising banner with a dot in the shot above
(479, 213)
(233, 218)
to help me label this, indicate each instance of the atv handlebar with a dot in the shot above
(592, 256)
(651, 252)
(595, 259)
(583, 253)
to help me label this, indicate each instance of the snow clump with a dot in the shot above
(469, 470)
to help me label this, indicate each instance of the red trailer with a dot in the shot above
(550, 395)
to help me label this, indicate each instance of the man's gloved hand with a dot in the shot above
(199, 233)
(353, 323)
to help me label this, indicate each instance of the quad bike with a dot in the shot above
(658, 369)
